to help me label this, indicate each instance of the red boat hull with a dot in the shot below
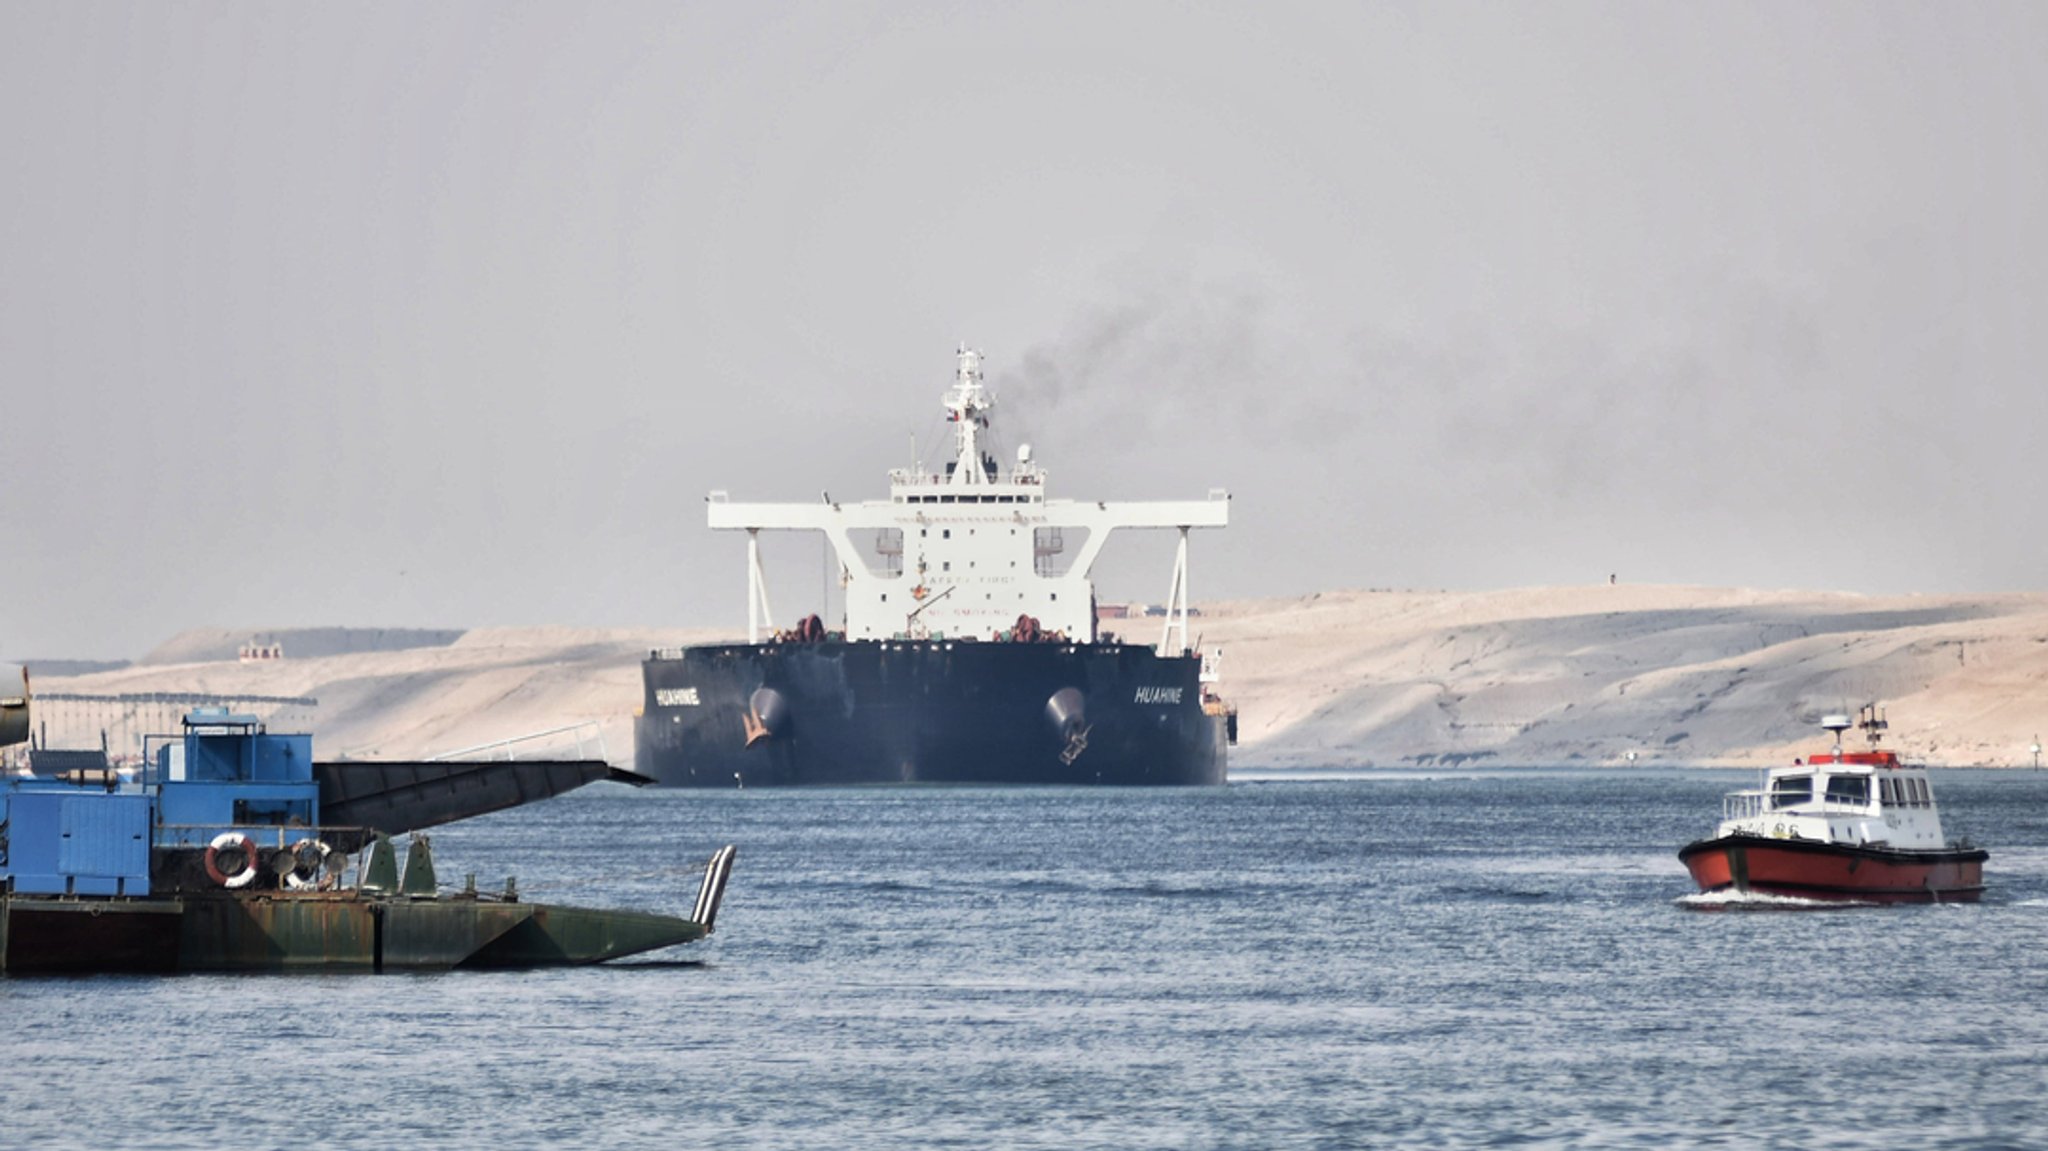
(1837, 873)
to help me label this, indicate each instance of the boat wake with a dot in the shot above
(1732, 900)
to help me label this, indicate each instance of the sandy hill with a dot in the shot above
(1577, 675)
(1589, 674)
(487, 685)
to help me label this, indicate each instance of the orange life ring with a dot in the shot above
(228, 841)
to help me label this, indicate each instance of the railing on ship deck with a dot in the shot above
(1746, 804)
(581, 735)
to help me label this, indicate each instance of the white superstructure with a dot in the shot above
(1859, 799)
(966, 551)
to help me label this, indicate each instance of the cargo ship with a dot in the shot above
(969, 650)
(1842, 827)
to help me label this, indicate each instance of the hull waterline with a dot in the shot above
(934, 712)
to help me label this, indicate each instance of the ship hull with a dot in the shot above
(926, 712)
(1836, 873)
(280, 930)
(316, 932)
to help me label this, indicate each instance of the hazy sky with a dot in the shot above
(451, 314)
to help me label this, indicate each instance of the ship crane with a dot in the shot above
(910, 621)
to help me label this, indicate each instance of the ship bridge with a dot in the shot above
(971, 549)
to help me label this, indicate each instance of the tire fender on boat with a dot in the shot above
(223, 844)
(309, 865)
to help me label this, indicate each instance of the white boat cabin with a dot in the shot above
(1862, 799)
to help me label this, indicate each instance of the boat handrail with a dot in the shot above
(588, 729)
(1743, 804)
(264, 834)
(904, 477)
(1756, 801)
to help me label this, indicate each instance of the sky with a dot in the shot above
(450, 315)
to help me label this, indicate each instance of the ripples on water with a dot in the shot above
(1466, 959)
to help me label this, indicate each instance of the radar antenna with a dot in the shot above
(1837, 723)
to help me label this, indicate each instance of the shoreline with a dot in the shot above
(1572, 677)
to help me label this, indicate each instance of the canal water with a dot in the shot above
(1342, 959)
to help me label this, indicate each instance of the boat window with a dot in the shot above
(1849, 789)
(1921, 796)
(1886, 793)
(1790, 789)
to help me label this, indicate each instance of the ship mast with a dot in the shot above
(967, 407)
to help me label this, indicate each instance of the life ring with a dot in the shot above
(229, 841)
(1779, 832)
(309, 866)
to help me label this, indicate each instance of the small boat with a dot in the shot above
(1843, 827)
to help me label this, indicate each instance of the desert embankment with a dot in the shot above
(1540, 676)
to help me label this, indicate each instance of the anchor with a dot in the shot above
(756, 731)
(1077, 742)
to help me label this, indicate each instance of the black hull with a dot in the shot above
(929, 712)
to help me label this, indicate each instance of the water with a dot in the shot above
(1373, 960)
